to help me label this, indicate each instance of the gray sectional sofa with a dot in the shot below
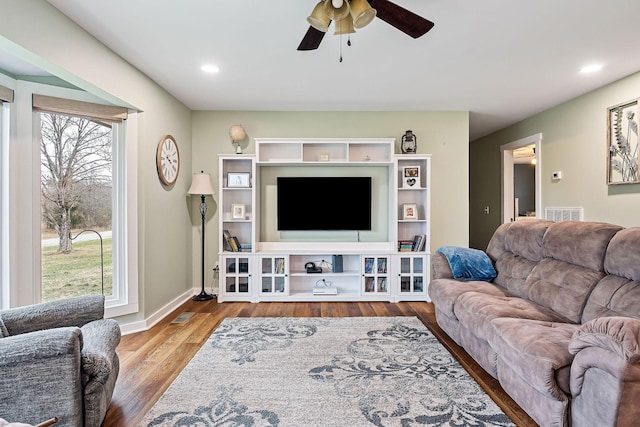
(559, 325)
(58, 359)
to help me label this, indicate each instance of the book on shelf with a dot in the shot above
(418, 243)
(231, 242)
(235, 244)
(405, 245)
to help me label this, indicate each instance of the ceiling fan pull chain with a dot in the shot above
(340, 47)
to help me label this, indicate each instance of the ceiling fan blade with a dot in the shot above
(311, 39)
(399, 17)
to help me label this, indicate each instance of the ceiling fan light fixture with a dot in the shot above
(320, 18)
(344, 26)
(362, 13)
(337, 13)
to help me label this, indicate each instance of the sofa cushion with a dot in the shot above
(524, 238)
(613, 296)
(522, 250)
(476, 310)
(513, 271)
(537, 351)
(618, 294)
(621, 258)
(562, 287)
(445, 292)
(579, 243)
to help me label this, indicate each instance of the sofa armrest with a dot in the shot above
(75, 311)
(440, 267)
(619, 335)
(41, 376)
(605, 373)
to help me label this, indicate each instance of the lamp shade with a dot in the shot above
(344, 26)
(337, 13)
(201, 184)
(319, 18)
(362, 13)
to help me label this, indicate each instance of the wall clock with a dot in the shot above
(168, 160)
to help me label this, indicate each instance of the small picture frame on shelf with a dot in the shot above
(411, 176)
(238, 211)
(324, 157)
(238, 179)
(409, 211)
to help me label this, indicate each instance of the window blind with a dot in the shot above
(6, 94)
(79, 108)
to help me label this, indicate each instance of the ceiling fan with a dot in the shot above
(350, 15)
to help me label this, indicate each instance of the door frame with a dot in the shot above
(507, 193)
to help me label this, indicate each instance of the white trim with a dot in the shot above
(506, 158)
(5, 120)
(148, 323)
(24, 252)
(125, 257)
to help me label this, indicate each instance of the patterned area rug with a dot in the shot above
(298, 372)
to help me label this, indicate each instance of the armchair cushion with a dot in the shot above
(75, 311)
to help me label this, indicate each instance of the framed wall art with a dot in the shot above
(238, 211)
(409, 211)
(622, 143)
(411, 177)
(238, 179)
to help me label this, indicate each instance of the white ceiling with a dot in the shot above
(502, 60)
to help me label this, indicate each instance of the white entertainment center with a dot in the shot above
(390, 262)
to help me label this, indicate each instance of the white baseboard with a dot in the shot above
(148, 323)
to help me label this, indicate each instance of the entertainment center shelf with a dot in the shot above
(259, 263)
(324, 151)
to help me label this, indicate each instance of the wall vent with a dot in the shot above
(564, 214)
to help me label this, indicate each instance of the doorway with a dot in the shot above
(525, 151)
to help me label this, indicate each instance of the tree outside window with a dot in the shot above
(76, 195)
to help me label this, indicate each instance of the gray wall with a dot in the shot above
(574, 141)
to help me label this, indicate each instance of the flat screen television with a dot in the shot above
(324, 203)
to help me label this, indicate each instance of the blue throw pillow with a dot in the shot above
(468, 264)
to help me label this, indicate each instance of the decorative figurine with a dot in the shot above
(409, 143)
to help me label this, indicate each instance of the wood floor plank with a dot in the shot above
(151, 360)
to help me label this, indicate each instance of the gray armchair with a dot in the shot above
(58, 359)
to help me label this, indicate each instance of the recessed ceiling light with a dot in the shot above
(592, 68)
(210, 68)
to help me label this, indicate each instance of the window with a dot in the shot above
(86, 176)
(76, 200)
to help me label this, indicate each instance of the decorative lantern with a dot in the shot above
(409, 143)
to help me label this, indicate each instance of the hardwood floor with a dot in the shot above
(151, 360)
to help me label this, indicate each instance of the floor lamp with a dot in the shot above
(201, 184)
